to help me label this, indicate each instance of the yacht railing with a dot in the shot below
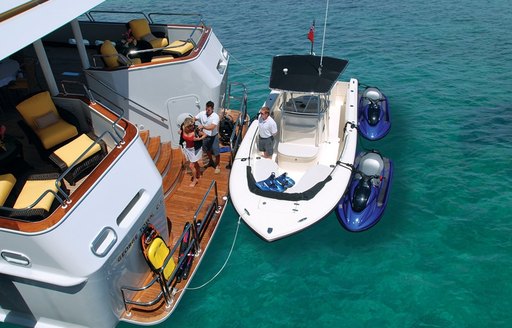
(163, 119)
(124, 16)
(117, 137)
(128, 292)
(200, 224)
(201, 221)
(238, 129)
(62, 195)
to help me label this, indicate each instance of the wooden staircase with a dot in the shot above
(168, 161)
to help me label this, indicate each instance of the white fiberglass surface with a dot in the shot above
(371, 164)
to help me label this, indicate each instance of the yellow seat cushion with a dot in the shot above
(139, 27)
(70, 152)
(179, 47)
(38, 106)
(141, 31)
(158, 59)
(159, 42)
(157, 253)
(136, 61)
(57, 133)
(109, 54)
(7, 182)
(32, 190)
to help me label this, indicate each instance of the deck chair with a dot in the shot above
(7, 182)
(157, 253)
(112, 58)
(141, 31)
(40, 189)
(179, 48)
(81, 154)
(41, 116)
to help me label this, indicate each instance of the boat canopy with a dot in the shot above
(303, 73)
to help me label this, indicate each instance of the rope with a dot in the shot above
(225, 262)
(249, 69)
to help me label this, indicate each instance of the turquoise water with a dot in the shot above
(442, 254)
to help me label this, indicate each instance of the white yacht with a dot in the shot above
(101, 226)
(314, 148)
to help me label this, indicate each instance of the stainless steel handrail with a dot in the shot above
(164, 284)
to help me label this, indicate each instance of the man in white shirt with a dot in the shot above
(209, 122)
(267, 131)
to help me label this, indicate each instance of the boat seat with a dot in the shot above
(311, 177)
(37, 198)
(296, 150)
(41, 116)
(7, 182)
(141, 31)
(82, 154)
(157, 253)
(263, 167)
(112, 58)
(179, 48)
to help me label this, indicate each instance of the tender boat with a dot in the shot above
(97, 222)
(374, 120)
(315, 147)
(365, 201)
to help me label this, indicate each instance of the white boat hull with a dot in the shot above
(273, 217)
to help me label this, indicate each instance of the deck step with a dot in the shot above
(163, 162)
(144, 135)
(175, 172)
(168, 161)
(153, 147)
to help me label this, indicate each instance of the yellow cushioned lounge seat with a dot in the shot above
(32, 190)
(178, 48)
(141, 31)
(41, 115)
(70, 152)
(65, 156)
(157, 253)
(37, 198)
(112, 58)
(7, 182)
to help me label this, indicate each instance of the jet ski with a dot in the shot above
(364, 202)
(373, 116)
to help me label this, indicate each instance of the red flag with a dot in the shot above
(311, 34)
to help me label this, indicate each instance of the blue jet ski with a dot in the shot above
(364, 202)
(373, 116)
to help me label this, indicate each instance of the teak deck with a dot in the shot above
(182, 202)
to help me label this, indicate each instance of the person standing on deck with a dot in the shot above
(267, 131)
(208, 123)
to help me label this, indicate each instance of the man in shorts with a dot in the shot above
(208, 123)
(267, 131)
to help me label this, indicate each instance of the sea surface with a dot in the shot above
(442, 254)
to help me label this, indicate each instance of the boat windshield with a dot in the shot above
(305, 103)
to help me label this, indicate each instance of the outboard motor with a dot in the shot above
(373, 112)
(361, 194)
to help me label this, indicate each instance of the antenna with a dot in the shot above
(323, 39)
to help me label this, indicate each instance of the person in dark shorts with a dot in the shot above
(208, 123)
(267, 131)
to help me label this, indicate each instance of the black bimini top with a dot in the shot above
(302, 73)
